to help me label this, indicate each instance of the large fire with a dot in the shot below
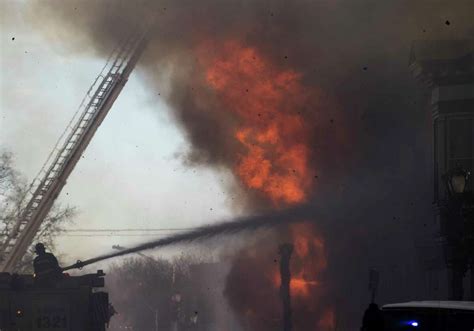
(267, 104)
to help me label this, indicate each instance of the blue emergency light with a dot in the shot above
(413, 323)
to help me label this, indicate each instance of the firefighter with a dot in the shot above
(46, 266)
(373, 319)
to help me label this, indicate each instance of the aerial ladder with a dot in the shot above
(49, 182)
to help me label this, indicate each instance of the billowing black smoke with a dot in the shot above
(355, 51)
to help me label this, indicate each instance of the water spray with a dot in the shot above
(296, 214)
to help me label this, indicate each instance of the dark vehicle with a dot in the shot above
(429, 316)
(72, 303)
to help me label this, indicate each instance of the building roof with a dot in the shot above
(443, 62)
(460, 305)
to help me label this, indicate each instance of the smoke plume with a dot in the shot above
(311, 96)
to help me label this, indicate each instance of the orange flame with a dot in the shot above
(267, 104)
(327, 321)
(308, 261)
(273, 135)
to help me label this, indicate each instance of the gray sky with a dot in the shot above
(129, 176)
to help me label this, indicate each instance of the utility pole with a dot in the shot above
(155, 310)
(285, 251)
(373, 284)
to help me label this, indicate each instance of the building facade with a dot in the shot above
(447, 69)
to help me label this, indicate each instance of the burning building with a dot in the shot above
(304, 102)
(274, 116)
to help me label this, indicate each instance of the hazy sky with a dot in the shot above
(129, 176)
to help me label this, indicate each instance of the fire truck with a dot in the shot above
(72, 303)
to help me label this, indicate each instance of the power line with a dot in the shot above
(130, 230)
(110, 235)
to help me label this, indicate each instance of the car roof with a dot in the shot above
(459, 305)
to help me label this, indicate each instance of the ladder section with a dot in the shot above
(52, 177)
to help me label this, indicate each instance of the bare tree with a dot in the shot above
(7, 174)
(157, 294)
(140, 290)
(13, 199)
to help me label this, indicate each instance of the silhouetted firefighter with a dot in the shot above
(285, 255)
(373, 318)
(46, 266)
